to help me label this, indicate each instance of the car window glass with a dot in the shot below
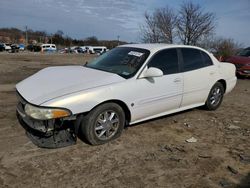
(245, 52)
(166, 60)
(124, 61)
(207, 60)
(192, 59)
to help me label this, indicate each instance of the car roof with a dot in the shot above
(157, 46)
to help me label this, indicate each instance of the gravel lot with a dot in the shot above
(149, 154)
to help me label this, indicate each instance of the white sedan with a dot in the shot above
(127, 85)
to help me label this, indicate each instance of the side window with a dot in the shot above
(166, 60)
(206, 59)
(192, 59)
(248, 53)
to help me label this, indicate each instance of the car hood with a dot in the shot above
(54, 82)
(238, 59)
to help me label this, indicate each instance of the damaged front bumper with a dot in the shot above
(55, 133)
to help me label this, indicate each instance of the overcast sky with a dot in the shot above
(107, 19)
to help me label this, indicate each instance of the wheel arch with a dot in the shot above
(223, 82)
(122, 104)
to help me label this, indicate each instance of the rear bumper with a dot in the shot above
(47, 134)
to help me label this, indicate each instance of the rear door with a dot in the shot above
(199, 74)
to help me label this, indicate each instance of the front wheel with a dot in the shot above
(215, 97)
(103, 124)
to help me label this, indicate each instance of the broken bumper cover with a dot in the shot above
(55, 133)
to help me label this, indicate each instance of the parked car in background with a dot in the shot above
(7, 46)
(67, 50)
(2, 47)
(21, 47)
(14, 48)
(34, 48)
(127, 85)
(84, 48)
(242, 62)
(48, 47)
(97, 49)
(79, 50)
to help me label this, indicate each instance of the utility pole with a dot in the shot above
(51, 37)
(118, 40)
(26, 36)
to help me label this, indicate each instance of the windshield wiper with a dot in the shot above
(86, 63)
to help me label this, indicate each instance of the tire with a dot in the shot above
(215, 97)
(103, 124)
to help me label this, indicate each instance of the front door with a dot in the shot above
(157, 95)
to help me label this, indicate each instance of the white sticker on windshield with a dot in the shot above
(137, 54)
(125, 73)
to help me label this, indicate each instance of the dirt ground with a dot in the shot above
(149, 154)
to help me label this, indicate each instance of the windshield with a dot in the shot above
(124, 61)
(245, 52)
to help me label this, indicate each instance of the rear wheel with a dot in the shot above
(215, 97)
(103, 124)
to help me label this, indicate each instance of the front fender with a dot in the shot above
(83, 101)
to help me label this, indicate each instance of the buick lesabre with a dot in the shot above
(127, 85)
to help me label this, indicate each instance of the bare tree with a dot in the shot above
(165, 22)
(59, 33)
(225, 47)
(159, 27)
(93, 40)
(190, 26)
(193, 24)
(149, 30)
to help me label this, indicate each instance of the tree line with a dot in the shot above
(189, 25)
(14, 35)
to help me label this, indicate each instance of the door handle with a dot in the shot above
(177, 80)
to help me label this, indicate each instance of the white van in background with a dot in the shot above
(48, 47)
(97, 49)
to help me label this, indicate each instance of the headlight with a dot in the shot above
(43, 113)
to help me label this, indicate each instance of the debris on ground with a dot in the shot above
(225, 183)
(175, 121)
(172, 148)
(231, 169)
(187, 125)
(244, 158)
(233, 127)
(181, 149)
(191, 140)
(175, 159)
(166, 148)
(236, 121)
(205, 156)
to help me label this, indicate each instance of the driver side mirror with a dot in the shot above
(151, 72)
